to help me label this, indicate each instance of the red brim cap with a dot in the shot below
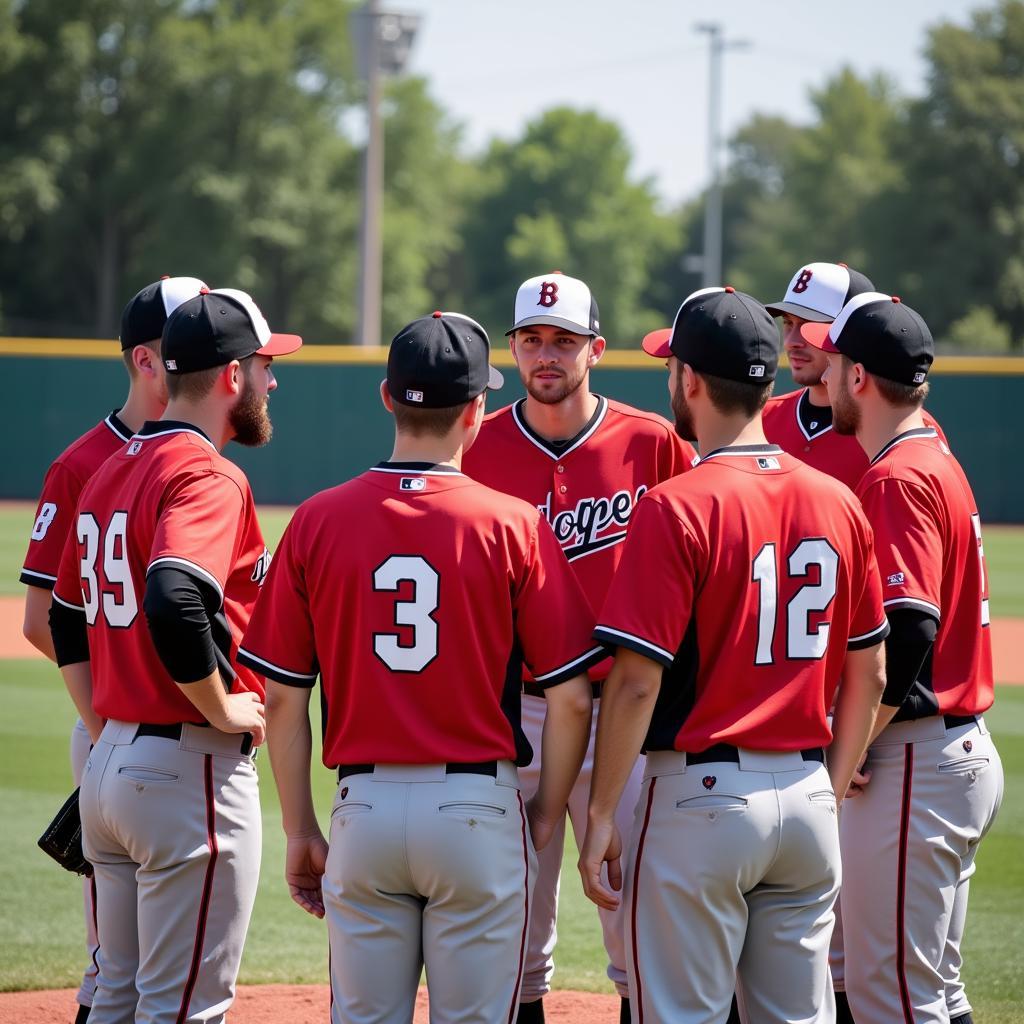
(281, 345)
(657, 343)
(814, 334)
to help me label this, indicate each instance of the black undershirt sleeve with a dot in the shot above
(70, 634)
(180, 609)
(911, 636)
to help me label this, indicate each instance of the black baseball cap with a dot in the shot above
(143, 319)
(439, 361)
(216, 327)
(886, 336)
(721, 332)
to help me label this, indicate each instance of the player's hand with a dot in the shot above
(304, 864)
(602, 845)
(542, 828)
(860, 780)
(244, 712)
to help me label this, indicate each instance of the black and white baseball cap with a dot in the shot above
(887, 337)
(558, 300)
(143, 319)
(440, 361)
(721, 332)
(817, 293)
(216, 327)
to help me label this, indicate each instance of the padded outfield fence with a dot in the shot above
(329, 423)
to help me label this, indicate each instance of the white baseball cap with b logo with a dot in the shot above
(819, 291)
(558, 300)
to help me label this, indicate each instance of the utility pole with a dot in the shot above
(711, 262)
(383, 41)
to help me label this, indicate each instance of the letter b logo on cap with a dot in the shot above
(801, 283)
(548, 293)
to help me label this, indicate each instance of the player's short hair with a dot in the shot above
(900, 395)
(732, 396)
(195, 386)
(426, 422)
(129, 362)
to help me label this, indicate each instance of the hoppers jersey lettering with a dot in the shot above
(416, 593)
(168, 499)
(930, 556)
(747, 580)
(55, 512)
(586, 488)
(806, 432)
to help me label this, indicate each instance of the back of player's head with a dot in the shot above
(437, 365)
(558, 300)
(890, 340)
(143, 318)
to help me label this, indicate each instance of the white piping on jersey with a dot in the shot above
(913, 602)
(745, 451)
(867, 636)
(68, 604)
(568, 665)
(172, 560)
(417, 472)
(174, 430)
(275, 667)
(914, 434)
(39, 575)
(607, 630)
(110, 423)
(799, 422)
(598, 420)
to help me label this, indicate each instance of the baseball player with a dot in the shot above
(142, 323)
(418, 633)
(746, 588)
(584, 461)
(155, 586)
(933, 779)
(800, 422)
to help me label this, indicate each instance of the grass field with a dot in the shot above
(40, 929)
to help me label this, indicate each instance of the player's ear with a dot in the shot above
(597, 347)
(690, 381)
(858, 378)
(385, 396)
(145, 358)
(512, 346)
(232, 376)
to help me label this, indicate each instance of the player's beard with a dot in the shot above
(682, 413)
(556, 392)
(249, 417)
(845, 411)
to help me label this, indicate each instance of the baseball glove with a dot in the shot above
(62, 839)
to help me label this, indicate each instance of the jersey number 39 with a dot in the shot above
(116, 595)
(802, 642)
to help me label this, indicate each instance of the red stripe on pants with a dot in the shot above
(526, 919)
(636, 889)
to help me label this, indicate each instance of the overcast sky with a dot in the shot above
(495, 65)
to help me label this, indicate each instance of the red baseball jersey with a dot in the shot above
(169, 498)
(416, 594)
(930, 555)
(805, 430)
(587, 487)
(55, 513)
(747, 580)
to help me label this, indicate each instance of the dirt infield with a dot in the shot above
(297, 1004)
(1007, 641)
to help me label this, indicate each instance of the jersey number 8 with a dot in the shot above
(802, 643)
(117, 598)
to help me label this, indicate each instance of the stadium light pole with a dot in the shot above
(711, 261)
(383, 42)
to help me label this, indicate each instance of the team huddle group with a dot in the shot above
(745, 677)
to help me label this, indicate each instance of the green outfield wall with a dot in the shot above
(329, 423)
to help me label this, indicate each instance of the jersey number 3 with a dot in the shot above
(802, 642)
(416, 613)
(117, 597)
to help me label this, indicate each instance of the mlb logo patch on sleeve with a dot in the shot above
(412, 483)
(897, 579)
(767, 462)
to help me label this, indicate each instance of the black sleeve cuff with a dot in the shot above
(303, 680)
(613, 638)
(37, 579)
(564, 673)
(177, 607)
(872, 639)
(70, 634)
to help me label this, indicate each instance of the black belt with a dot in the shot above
(172, 731)
(953, 721)
(454, 768)
(536, 690)
(727, 752)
